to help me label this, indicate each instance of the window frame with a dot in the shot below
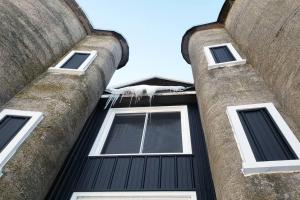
(20, 137)
(161, 194)
(81, 69)
(212, 63)
(250, 165)
(106, 125)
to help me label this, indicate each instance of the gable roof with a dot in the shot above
(157, 80)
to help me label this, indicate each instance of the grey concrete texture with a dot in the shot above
(268, 32)
(229, 86)
(66, 101)
(33, 35)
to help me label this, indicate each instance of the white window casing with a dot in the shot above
(81, 69)
(178, 195)
(104, 130)
(20, 137)
(211, 61)
(250, 165)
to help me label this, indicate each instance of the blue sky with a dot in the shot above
(153, 30)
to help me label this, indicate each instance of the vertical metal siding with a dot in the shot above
(135, 173)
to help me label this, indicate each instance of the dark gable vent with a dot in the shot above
(75, 61)
(9, 127)
(221, 54)
(266, 140)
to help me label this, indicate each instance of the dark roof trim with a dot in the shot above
(218, 24)
(90, 31)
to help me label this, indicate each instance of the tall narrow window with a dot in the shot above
(9, 127)
(222, 55)
(75, 62)
(15, 127)
(154, 130)
(265, 141)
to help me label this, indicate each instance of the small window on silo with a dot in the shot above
(76, 62)
(222, 55)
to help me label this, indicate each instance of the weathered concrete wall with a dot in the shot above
(217, 89)
(33, 35)
(66, 101)
(268, 32)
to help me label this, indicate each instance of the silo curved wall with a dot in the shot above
(66, 101)
(33, 35)
(230, 86)
(268, 32)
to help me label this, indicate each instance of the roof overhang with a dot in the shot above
(218, 24)
(91, 31)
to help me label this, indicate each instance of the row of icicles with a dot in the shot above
(137, 92)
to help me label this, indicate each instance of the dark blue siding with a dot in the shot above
(136, 173)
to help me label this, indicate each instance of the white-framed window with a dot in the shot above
(144, 130)
(178, 195)
(15, 127)
(222, 55)
(76, 62)
(265, 141)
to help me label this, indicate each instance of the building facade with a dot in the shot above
(234, 134)
(137, 149)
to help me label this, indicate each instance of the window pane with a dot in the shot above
(125, 134)
(9, 127)
(76, 60)
(163, 133)
(222, 54)
(265, 138)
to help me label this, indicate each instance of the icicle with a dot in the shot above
(111, 100)
(131, 99)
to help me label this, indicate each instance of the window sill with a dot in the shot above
(66, 71)
(226, 64)
(282, 166)
(141, 154)
(180, 195)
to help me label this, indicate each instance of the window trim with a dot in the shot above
(176, 194)
(250, 165)
(104, 130)
(20, 137)
(81, 69)
(211, 61)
